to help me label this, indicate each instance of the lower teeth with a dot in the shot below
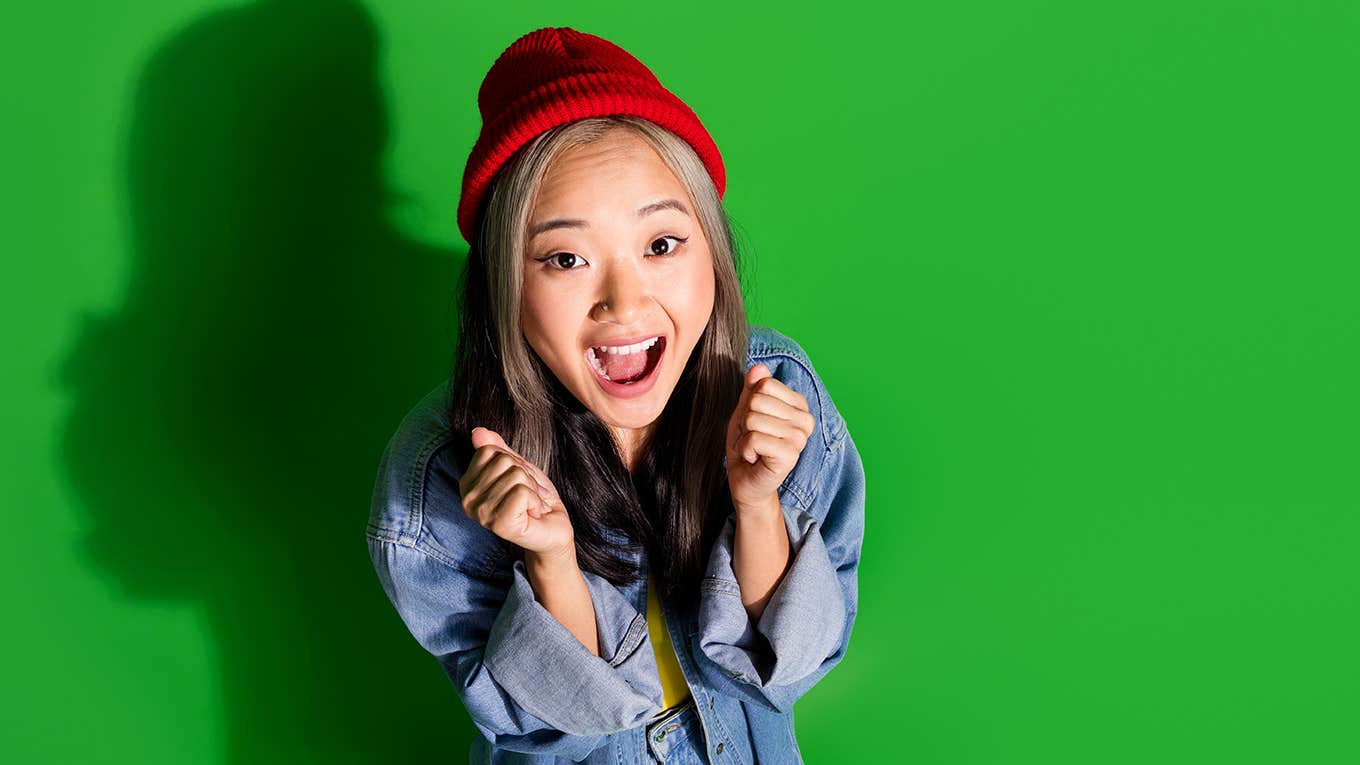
(599, 369)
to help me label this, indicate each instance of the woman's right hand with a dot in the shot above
(514, 498)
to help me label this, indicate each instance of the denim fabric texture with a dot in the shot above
(537, 695)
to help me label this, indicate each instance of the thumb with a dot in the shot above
(483, 436)
(757, 373)
(753, 375)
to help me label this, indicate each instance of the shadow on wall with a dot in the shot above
(229, 416)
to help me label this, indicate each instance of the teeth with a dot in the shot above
(595, 362)
(618, 350)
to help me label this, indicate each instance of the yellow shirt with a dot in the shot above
(674, 689)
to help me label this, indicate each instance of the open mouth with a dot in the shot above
(629, 369)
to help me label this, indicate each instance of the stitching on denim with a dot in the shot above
(415, 490)
(689, 666)
(380, 533)
(793, 736)
(436, 552)
(426, 549)
(823, 427)
(721, 586)
(631, 640)
(727, 737)
(832, 455)
(770, 344)
(479, 562)
(793, 487)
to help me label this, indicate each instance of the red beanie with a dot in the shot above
(556, 75)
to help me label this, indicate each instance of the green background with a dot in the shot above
(1080, 276)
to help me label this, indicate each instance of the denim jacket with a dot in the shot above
(536, 694)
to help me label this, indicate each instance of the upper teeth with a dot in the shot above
(634, 348)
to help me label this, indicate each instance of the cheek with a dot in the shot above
(691, 291)
(546, 317)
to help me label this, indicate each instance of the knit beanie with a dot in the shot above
(555, 75)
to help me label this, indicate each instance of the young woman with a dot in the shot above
(629, 528)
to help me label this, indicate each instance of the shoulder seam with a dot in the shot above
(414, 525)
(426, 549)
(832, 453)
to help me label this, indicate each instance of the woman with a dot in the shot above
(630, 527)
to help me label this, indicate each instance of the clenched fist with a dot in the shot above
(513, 497)
(765, 436)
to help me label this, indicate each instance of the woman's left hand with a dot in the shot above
(765, 437)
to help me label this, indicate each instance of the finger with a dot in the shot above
(753, 376)
(777, 451)
(478, 466)
(483, 436)
(481, 497)
(772, 405)
(486, 437)
(509, 522)
(479, 504)
(537, 473)
(772, 386)
(772, 425)
(497, 494)
(489, 463)
(482, 470)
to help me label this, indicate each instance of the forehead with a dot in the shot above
(619, 164)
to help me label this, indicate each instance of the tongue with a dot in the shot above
(623, 367)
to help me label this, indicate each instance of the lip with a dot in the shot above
(633, 390)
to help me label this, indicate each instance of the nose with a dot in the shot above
(624, 295)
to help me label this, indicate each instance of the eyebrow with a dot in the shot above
(644, 211)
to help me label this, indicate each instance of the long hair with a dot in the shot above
(675, 502)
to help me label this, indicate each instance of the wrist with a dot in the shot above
(767, 510)
(550, 563)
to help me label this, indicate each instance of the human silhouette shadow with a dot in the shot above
(229, 415)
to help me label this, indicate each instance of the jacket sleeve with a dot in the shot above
(527, 682)
(805, 627)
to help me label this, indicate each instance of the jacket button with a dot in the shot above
(719, 749)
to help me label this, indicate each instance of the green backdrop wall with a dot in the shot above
(1080, 276)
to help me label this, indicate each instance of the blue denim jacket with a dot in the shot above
(535, 692)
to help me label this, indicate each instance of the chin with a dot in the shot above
(629, 414)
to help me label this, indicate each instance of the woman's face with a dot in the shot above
(615, 256)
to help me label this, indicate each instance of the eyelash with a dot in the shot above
(547, 260)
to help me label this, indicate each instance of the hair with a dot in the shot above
(676, 500)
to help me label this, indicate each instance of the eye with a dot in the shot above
(560, 261)
(679, 241)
